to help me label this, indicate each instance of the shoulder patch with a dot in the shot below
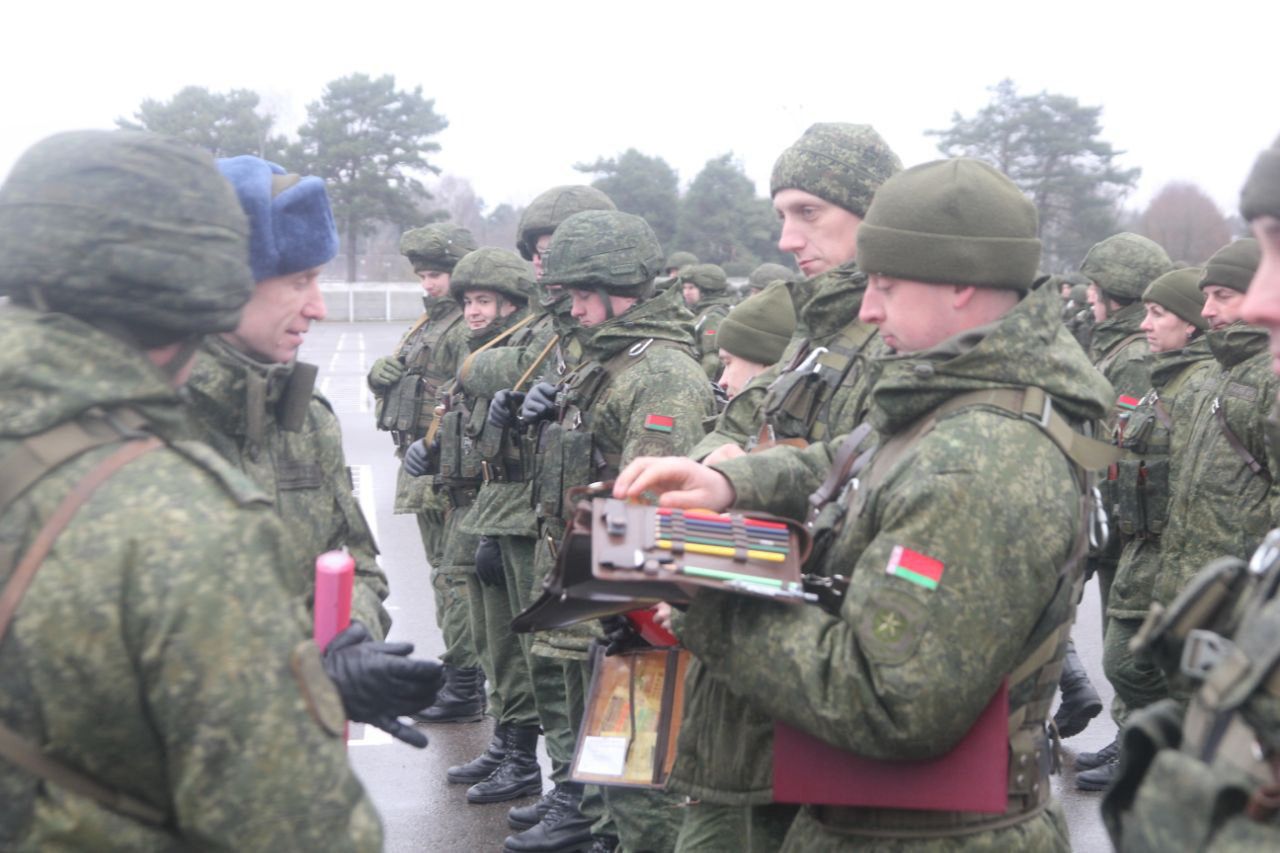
(914, 567)
(1124, 401)
(1242, 391)
(891, 626)
(659, 423)
(236, 483)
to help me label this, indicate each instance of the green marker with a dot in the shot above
(720, 574)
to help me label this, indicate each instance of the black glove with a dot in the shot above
(489, 563)
(504, 408)
(620, 635)
(420, 460)
(540, 403)
(379, 682)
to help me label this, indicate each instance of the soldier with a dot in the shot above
(1154, 437)
(1207, 779)
(636, 391)
(705, 289)
(493, 286)
(406, 386)
(677, 262)
(912, 657)
(765, 275)
(754, 335)
(822, 186)
(159, 689)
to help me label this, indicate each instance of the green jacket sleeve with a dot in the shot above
(740, 421)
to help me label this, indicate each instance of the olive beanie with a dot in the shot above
(1179, 291)
(760, 327)
(1233, 265)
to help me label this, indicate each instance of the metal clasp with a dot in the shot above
(811, 360)
(1202, 651)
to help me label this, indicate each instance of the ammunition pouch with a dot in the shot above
(1209, 603)
(565, 459)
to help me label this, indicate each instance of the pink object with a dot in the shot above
(335, 573)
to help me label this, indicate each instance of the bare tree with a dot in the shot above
(1184, 220)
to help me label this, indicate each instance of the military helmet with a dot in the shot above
(499, 270)
(1124, 264)
(437, 247)
(680, 260)
(133, 231)
(545, 213)
(765, 274)
(604, 249)
(708, 278)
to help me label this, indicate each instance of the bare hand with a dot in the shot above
(723, 452)
(678, 482)
(662, 615)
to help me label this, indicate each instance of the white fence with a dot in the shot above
(372, 301)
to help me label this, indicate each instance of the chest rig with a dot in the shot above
(408, 404)
(857, 473)
(797, 404)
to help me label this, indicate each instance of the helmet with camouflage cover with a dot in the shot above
(499, 270)
(437, 247)
(128, 230)
(708, 278)
(545, 213)
(680, 260)
(765, 274)
(1124, 264)
(604, 250)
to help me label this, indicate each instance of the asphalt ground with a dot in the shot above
(421, 812)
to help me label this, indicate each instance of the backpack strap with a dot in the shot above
(1236, 444)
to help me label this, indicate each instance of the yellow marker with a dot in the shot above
(720, 551)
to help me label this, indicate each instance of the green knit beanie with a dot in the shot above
(708, 278)
(760, 327)
(842, 163)
(1261, 193)
(953, 221)
(1124, 264)
(1180, 292)
(1233, 265)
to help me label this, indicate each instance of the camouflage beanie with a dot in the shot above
(436, 248)
(1233, 265)
(545, 213)
(290, 225)
(708, 278)
(766, 274)
(1179, 291)
(1261, 193)
(129, 227)
(842, 163)
(606, 250)
(951, 222)
(499, 270)
(760, 327)
(1124, 264)
(680, 260)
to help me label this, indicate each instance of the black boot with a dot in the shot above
(518, 775)
(1080, 702)
(460, 701)
(603, 844)
(565, 828)
(521, 818)
(479, 768)
(1100, 777)
(1090, 760)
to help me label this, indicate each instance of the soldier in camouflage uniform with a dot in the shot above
(822, 186)
(161, 659)
(986, 502)
(407, 386)
(754, 335)
(765, 275)
(705, 289)
(677, 262)
(1208, 779)
(1154, 438)
(607, 410)
(1078, 315)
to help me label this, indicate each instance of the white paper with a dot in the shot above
(603, 756)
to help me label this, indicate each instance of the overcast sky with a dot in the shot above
(1189, 91)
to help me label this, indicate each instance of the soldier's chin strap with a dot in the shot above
(608, 303)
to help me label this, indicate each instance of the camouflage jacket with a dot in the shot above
(1155, 439)
(152, 651)
(986, 501)
(710, 312)
(1119, 350)
(1219, 506)
(825, 398)
(234, 402)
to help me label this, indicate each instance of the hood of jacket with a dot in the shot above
(835, 300)
(1028, 346)
(662, 317)
(54, 367)
(1237, 342)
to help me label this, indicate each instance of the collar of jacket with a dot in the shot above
(1116, 328)
(236, 393)
(662, 316)
(1237, 342)
(835, 301)
(1168, 366)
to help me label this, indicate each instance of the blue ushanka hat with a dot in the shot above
(290, 224)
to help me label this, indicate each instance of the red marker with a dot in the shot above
(335, 574)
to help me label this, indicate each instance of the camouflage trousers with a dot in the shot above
(501, 654)
(1137, 680)
(712, 828)
(431, 527)
(450, 587)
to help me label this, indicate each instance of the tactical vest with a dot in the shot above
(797, 405)
(1032, 750)
(408, 404)
(20, 469)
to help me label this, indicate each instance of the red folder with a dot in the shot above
(972, 777)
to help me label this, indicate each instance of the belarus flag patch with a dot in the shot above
(1124, 401)
(914, 567)
(659, 423)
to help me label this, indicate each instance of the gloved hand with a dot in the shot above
(489, 563)
(539, 403)
(420, 460)
(385, 371)
(379, 682)
(504, 408)
(620, 635)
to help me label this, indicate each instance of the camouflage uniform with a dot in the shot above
(236, 401)
(710, 311)
(171, 598)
